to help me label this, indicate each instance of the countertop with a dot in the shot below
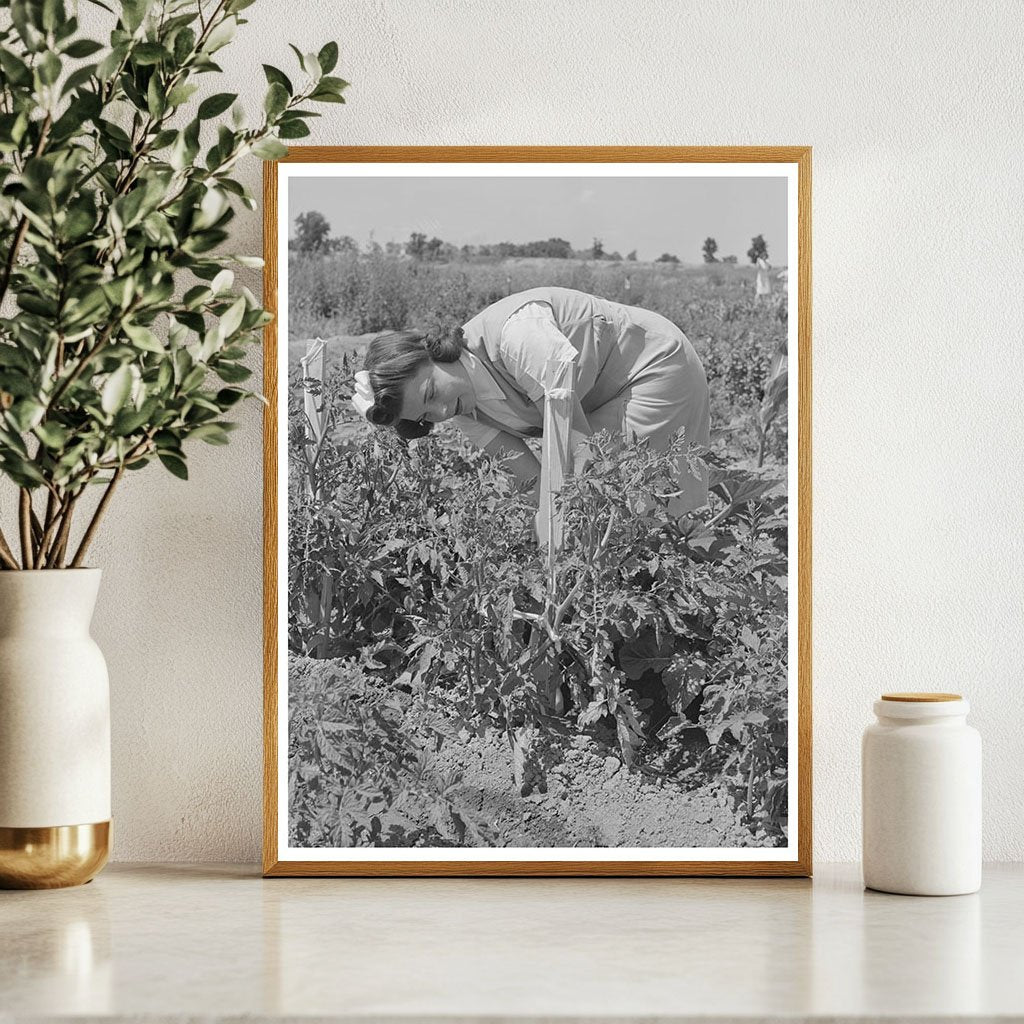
(173, 942)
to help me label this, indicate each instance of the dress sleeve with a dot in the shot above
(529, 338)
(477, 433)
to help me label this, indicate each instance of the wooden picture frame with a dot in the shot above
(795, 858)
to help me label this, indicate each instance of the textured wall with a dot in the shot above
(913, 110)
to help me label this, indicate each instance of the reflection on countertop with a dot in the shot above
(179, 941)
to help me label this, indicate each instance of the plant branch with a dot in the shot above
(25, 523)
(563, 608)
(51, 529)
(6, 554)
(729, 508)
(60, 543)
(94, 523)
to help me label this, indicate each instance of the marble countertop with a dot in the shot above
(180, 941)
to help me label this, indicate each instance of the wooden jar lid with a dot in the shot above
(921, 698)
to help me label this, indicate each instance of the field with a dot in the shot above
(445, 688)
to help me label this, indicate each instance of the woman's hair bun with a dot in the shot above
(380, 416)
(409, 430)
(444, 345)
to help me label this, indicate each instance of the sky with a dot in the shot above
(649, 214)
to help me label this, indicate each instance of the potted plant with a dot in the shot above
(122, 339)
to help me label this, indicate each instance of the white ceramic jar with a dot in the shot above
(921, 789)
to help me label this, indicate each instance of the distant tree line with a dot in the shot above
(758, 248)
(313, 235)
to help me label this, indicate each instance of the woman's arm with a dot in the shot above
(518, 460)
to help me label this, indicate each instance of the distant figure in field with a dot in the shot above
(764, 284)
(636, 373)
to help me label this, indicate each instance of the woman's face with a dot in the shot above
(437, 392)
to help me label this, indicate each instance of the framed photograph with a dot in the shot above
(538, 511)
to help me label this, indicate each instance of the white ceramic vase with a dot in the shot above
(921, 774)
(54, 731)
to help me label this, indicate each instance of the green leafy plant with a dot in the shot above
(126, 335)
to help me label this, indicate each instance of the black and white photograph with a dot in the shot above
(537, 594)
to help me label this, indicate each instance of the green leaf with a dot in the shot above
(216, 104)
(119, 291)
(149, 53)
(116, 390)
(211, 433)
(227, 397)
(26, 414)
(26, 20)
(211, 208)
(77, 79)
(129, 207)
(109, 65)
(133, 12)
(175, 465)
(232, 373)
(16, 70)
(21, 471)
(156, 101)
(232, 319)
(276, 99)
(128, 421)
(193, 379)
(274, 75)
(53, 15)
(255, 262)
(196, 296)
(184, 44)
(53, 435)
(293, 130)
(325, 96)
(49, 68)
(221, 35)
(183, 151)
(83, 48)
(144, 338)
(328, 57)
(181, 94)
(333, 84)
(116, 134)
(269, 149)
(37, 304)
(11, 356)
(222, 282)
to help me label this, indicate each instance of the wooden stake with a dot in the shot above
(556, 456)
(314, 369)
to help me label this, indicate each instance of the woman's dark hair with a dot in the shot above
(391, 360)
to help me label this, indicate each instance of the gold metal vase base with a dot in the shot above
(54, 857)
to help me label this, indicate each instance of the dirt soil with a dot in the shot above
(592, 800)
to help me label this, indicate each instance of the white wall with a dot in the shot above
(914, 113)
